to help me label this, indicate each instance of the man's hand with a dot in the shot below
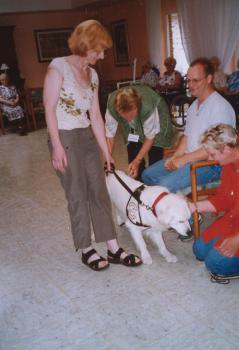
(175, 163)
(133, 168)
(229, 246)
(169, 163)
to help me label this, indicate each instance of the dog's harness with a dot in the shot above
(136, 195)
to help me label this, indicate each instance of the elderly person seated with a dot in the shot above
(233, 80)
(219, 77)
(144, 118)
(150, 75)
(218, 245)
(233, 89)
(227, 86)
(170, 83)
(9, 104)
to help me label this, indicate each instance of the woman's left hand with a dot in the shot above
(109, 161)
(229, 246)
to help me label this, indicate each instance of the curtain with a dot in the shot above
(153, 9)
(209, 28)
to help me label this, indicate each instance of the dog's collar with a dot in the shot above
(163, 194)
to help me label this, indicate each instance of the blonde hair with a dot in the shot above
(89, 35)
(127, 99)
(219, 136)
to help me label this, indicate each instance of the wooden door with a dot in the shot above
(8, 54)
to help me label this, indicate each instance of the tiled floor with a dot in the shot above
(50, 301)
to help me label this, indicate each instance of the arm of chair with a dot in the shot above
(2, 123)
(196, 193)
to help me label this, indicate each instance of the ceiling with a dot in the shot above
(13, 6)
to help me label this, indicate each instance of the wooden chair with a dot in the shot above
(35, 104)
(2, 123)
(196, 192)
(204, 191)
(23, 103)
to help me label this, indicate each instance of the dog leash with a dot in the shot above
(136, 195)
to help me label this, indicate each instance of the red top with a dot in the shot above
(226, 200)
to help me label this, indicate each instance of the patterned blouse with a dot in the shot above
(75, 100)
(9, 93)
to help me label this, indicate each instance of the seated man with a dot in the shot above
(218, 245)
(208, 109)
(144, 118)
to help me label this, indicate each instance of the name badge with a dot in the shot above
(133, 138)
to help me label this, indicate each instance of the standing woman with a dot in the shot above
(76, 137)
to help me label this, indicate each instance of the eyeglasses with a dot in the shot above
(195, 81)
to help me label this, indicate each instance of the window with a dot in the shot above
(175, 47)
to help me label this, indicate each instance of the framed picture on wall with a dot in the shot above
(120, 43)
(52, 43)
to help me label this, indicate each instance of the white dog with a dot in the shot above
(169, 211)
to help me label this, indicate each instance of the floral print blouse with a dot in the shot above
(75, 100)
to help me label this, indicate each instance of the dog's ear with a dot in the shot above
(163, 214)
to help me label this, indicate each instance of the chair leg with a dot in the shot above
(26, 113)
(34, 120)
(194, 199)
(31, 113)
(2, 123)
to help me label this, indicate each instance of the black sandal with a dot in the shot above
(129, 260)
(94, 265)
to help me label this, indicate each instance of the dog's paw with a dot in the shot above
(147, 260)
(171, 258)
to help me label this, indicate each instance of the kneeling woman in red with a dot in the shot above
(218, 245)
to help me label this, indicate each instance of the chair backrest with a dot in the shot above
(126, 83)
(204, 191)
(35, 95)
(2, 123)
(35, 103)
(178, 110)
